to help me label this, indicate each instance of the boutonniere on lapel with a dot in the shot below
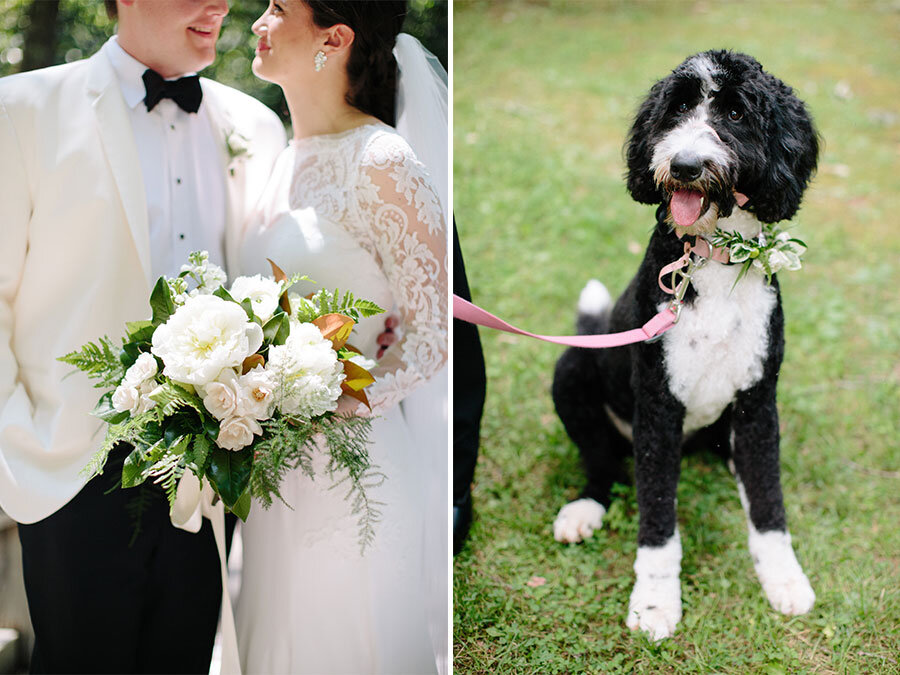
(238, 148)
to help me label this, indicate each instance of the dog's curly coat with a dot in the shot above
(717, 126)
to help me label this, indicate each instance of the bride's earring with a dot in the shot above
(319, 59)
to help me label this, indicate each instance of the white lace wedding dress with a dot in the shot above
(354, 211)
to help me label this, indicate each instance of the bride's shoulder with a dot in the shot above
(384, 147)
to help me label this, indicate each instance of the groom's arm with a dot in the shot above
(15, 213)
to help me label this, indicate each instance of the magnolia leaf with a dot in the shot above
(247, 305)
(285, 303)
(161, 302)
(140, 331)
(335, 327)
(129, 354)
(229, 473)
(211, 427)
(241, 507)
(356, 377)
(277, 329)
(251, 362)
(134, 467)
(221, 292)
(277, 272)
(358, 395)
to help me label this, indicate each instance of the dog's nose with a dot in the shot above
(686, 167)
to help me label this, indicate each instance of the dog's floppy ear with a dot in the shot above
(793, 151)
(639, 150)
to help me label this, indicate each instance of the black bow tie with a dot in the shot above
(185, 92)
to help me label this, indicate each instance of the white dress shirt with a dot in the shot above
(182, 170)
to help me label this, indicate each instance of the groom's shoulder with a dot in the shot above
(240, 106)
(35, 87)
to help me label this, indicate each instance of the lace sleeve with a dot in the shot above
(408, 232)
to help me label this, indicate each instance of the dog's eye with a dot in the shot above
(682, 108)
(735, 115)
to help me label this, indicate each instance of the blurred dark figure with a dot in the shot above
(469, 384)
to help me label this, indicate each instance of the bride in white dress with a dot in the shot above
(350, 206)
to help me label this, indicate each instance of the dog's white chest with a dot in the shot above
(719, 345)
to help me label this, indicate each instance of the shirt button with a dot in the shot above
(178, 180)
(181, 236)
(172, 127)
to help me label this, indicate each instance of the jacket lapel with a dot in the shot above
(223, 127)
(117, 138)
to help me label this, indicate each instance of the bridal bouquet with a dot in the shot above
(237, 386)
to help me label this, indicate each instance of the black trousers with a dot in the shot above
(100, 604)
(469, 384)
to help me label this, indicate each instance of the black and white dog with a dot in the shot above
(717, 132)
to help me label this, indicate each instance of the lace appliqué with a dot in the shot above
(369, 181)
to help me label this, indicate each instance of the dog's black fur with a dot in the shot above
(773, 146)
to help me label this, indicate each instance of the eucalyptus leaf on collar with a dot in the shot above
(770, 251)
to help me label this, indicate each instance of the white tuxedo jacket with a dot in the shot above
(75, 256)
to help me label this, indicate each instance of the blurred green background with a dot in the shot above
(544, 94)
(38, 33)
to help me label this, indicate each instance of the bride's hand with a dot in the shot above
(347, 405)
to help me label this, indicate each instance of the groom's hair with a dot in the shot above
(371, 68)
(112, 11)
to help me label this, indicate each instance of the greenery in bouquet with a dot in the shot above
(237, 386)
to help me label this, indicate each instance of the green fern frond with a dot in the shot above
(172, 397)
(99, 361)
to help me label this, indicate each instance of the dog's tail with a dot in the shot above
(594, 304)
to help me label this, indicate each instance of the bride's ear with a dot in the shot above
(339, 38)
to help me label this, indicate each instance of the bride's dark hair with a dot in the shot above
(371, 68)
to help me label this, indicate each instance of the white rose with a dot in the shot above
(204, 336)
(263, 294)
(142, 370)
(222, 396)
(145, 403)
(125, 398)
(257, 394)
(237, 432)
(306, 372)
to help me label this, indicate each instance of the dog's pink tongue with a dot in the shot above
(686, 205)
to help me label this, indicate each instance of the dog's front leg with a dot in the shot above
(754, 441)
(655, 604)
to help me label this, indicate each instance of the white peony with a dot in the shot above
(221, 397)
(257, 398)
(263, 294)
(237, 432)
(306, 372)
(141, 370)
(204, 336)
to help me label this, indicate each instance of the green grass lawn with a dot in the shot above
(543, 98)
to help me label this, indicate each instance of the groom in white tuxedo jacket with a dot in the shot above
(109, 176)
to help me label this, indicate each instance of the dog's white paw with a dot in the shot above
(657, 621)
(577, 520)
(779, 573)
(655, 603)
(792, 596)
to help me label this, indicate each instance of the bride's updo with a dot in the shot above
(371, 68)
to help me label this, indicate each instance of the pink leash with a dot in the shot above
(659, 324)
